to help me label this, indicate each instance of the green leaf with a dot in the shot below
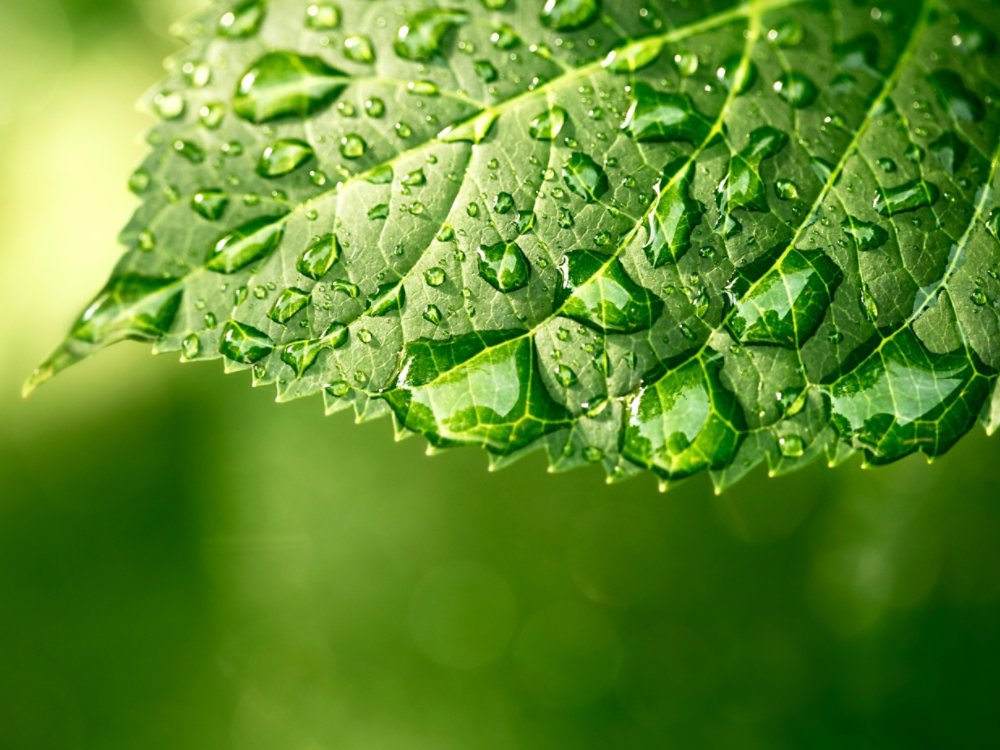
(664, 236)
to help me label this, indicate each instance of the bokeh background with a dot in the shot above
(185, 565)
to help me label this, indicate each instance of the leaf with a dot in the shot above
(675, 237)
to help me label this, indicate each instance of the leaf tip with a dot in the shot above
(58, 361)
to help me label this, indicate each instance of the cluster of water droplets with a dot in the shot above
(664, 249)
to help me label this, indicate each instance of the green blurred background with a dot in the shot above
(185, 565)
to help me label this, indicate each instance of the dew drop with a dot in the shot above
(284, 84)
(244, 344)
(321, 255)
(283, 157)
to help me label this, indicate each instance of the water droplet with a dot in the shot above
(191, 347)
(210, 204)
(486, 71)
(993, 223)
(548, 125)
(569, 15)
(906, 398)
(321, 255)
(791, 446)
(657, 116)
(909, 196)
(169, 105)
(474, 130)
(585, 177)
(374, 107)
(565, 376)
(421, 37)
(243, 20)
(858, 52)
(435, 276)
(358, 48)
(301, 355)
(432, 314)
(390, 297)
(138, 183)
(686, 422)
(283, 157)
(788, 33)
(353, 146)
(504, 37)
(675, 216)
(483, 388)
(503, 203)
(322, 16)
(284, 84)
(786, 190)
(636, 56)
(247, 243)
(787, 305)
(742, 186)
(504, 266)
(950, 151)
(736, 74)
(598, 292)
(796, 89)
(289, 303)
(865, 235)
(954, 96)
(244, 343)
(190, 151)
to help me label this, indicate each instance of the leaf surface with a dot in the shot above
(668, 236)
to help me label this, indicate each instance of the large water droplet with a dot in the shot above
(658, 116)
(950, 151)
(353, 146)
(322, 16)
(359, 48)
(210, 204)
(636, 56)
(788, 304)
(244, 344)
(569, 15)
(133, 307)
(585, 177)
(319, 257)
(242, 20)
(796, 89)
(736, 74)
(421, 37)
(675, 217)
(504, 266)
(598, 292)
(906, 197)
(284, 157)
(481, 388)
(904, 398)
(284, 84)
(289, 303)
(742, 186)
(956, 97)
(474, 130)
(684, 423)
(301, 355)
(247, 243)
(865, 235)
(548, 125)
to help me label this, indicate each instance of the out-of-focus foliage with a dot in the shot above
(184, 566)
